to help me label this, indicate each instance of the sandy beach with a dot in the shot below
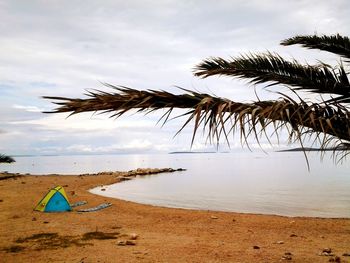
(130, 232)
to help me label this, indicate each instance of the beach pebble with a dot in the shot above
(134, 236)
(280, 242)
(103, 189)
(256, 247)
(213, 217)
(293, 235)
(346, 254)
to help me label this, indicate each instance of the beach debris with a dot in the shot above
(130, 243)
(214, 217)
(121, 243)
(126, 243)
(233, 220)
(256, 247)
(14, 249)
(78, 204)
(280, 242)
(96, 208)
(103, 189)
(334, 259)
(45, 222)
(133, 236)
(326, 252)
(293, 235)
(287, 256)
(346, 254)
(99, 235)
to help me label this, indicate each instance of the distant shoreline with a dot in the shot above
(309, 149)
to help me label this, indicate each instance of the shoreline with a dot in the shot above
(160, 233)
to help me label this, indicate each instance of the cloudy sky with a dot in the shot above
(63, 48)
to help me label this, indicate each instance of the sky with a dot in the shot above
(64, 48)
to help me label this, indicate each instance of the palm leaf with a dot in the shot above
(6, 159)
(336, 44)
(273, 69)
(215, 114)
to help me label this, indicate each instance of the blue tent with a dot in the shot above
(54, 201)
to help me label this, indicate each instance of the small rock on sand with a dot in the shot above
(346, 254)
(213, 217)
(256, 247)
(133, 236)
(280, 242)
(293, 235)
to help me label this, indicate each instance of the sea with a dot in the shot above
(277, 183)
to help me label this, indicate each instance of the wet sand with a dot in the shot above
(153, 234)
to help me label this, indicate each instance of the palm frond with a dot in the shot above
(336, 44)
(273, 69)
(6, 159)
(220, 117)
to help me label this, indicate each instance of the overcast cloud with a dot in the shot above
(62, 48)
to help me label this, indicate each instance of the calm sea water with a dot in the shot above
(273, 183)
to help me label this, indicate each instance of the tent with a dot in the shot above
(54, 201)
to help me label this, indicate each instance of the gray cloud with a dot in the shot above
(64, 47)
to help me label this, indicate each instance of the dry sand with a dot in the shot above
(162, 234)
